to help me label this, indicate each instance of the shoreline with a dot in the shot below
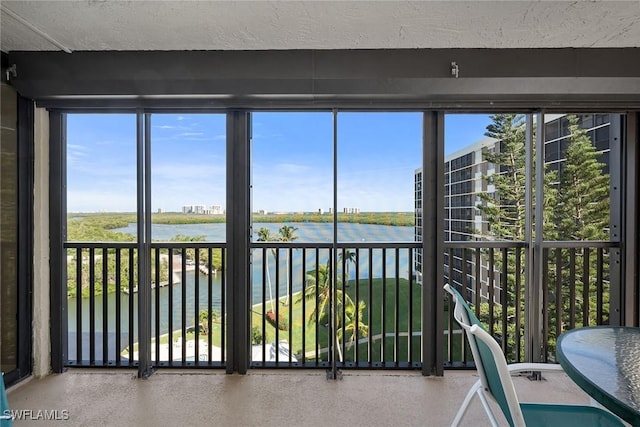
(268, 302)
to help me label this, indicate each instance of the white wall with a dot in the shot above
(41, 273)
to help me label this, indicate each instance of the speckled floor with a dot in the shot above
(265, 398)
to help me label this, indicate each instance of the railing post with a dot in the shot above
(333, 373)
(238, 238)
(533, 330)
(625, 300)
(145, 367)
(58, 232)
(433, 243)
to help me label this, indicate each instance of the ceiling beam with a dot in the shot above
(542, 77)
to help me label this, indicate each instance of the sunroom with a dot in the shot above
(285, 188)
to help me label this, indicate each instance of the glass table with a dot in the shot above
(605, 362)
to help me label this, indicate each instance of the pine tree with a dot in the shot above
(583, 199)
(505, 209)
(575, 207)
(506, 214)
(582, 214)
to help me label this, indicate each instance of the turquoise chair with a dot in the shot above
(495, 383)
(5, 418)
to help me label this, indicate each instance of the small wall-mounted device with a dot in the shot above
(454, 69)
(12, 72)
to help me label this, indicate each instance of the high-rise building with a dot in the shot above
(203, 210)
(465, 178)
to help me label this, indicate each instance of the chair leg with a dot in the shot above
(487, 408)
(465, 403)
(475, 388)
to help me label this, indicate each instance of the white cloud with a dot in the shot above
(76, 153)
(189, 134)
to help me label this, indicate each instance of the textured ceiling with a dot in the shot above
(258, 25)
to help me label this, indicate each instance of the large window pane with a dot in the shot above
(101, 167)
(378, 296)
(292, 202)
(579, 185)
(485, 193)
(378, 154)
(577, 182)
(188, 198)
(101, 206)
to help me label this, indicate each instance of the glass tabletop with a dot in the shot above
(605, 362)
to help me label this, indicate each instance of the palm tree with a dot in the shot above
(322, 286)
(206, 316)
(352, 324)
(203, 317)
(264, 235)
(318, 286)
(346, 257)
(287, 234)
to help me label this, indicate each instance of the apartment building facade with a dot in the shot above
(467, 175)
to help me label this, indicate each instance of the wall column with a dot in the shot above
(41, 273)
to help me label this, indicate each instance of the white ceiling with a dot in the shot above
(257, 25)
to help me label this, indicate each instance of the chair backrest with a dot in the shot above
(465, 315)
(490, 361)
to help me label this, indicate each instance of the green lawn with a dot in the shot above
(396, 345)
(295, 319)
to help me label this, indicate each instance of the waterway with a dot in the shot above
(307, 233)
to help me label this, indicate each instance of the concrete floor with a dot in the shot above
(266, 398)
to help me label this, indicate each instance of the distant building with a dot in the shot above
(215, 210)
(203, 210)
(192, 209)
(351, 210)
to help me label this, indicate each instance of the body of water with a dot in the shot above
(277, 279)
(307, 232)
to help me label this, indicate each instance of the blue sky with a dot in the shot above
(292, 158)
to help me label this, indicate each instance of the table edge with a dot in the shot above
(619, 408)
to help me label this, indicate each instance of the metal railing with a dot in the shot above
(490, 275)
(376, 322)
(359, 304)
(187, 291)
(576, 281)
(579, 277)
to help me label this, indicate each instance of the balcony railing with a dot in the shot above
(576, 288)
(376, 298)
(309, 301)
(579, 280)
(187, 326)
